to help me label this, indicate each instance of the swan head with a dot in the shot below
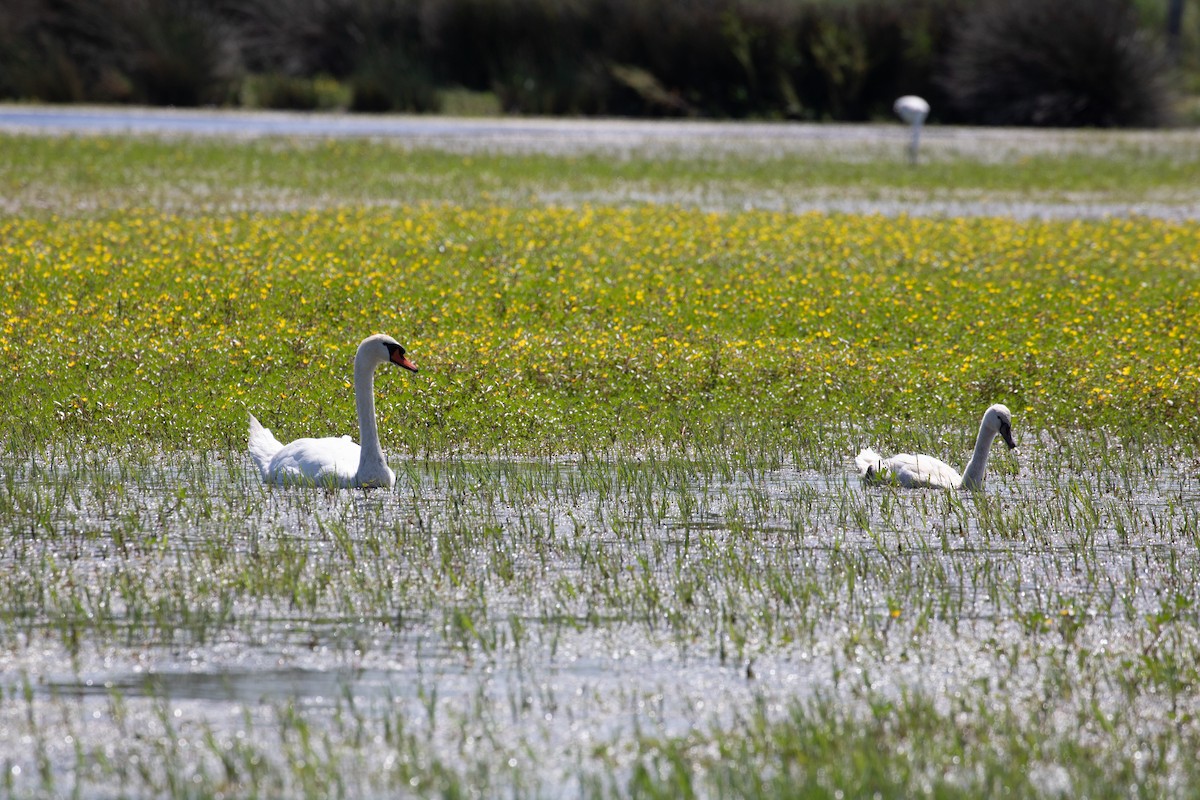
(382, 349)
(911, 109)
(998, 420)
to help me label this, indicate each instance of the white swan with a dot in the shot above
(919, 471)
(336, 462)
(913, 110)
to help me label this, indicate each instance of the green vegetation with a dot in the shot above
(552, 329)
(1079, 62)
(626, 554)
(67, 175)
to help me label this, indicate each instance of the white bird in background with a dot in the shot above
(920, 471)
(336, 462)
(913, 110)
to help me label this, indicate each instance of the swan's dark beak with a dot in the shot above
(1006, 434)
(399, 358)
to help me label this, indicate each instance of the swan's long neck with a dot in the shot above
(915, 144)
(973, 475)
(368, 430)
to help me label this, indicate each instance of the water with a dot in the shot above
(520, 626)
(691, 140)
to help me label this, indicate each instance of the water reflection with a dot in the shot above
(566, 603)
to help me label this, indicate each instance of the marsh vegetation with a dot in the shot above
(627, 551)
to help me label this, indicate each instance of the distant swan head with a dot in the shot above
(911, 109)
(998, 420)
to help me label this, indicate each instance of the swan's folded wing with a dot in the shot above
(317, 462)
(919, 471)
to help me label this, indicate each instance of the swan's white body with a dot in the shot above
(921, 471)
(913, 110)
(335, 462)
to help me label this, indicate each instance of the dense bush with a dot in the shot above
(1020, 61)
(160, 52)
(1065, 63)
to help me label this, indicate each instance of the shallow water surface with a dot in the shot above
(521, 626)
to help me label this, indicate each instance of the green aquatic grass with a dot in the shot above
(82, 174)
(912, 747)
(804, 631)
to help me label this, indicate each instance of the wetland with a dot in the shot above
(627, 553)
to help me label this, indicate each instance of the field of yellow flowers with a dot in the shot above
(561, 329)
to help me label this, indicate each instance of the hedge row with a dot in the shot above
(987, 61)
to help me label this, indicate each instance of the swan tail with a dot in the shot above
(868, 462)
(263, 446)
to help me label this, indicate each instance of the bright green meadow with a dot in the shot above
(627, 553)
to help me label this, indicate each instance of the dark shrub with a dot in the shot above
(850, 59)
(388, 79)
(537, 56)
(816, 59)
(309, 37)
(866, 53)
(166, 52)
(279, 91)
(696, 51)
(1044, 62)
(1060, 63)
(377, 46)
(33, 65)
(175, 51)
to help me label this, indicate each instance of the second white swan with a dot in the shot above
(921, 471)
(333, 461)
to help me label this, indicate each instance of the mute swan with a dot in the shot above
(336, 462)
(913, 110)
(919, 471)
